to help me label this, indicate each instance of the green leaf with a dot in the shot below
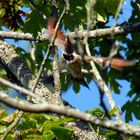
(102, 17)
(76, 87)
(76, 16)
(2, 73)
(42, 117)
(2, 12)
(97, 112)
(114, 84)
(111, 5)
(8, 119)
(49, 124)
(10, 137)
(2, 129)
(111, 135)
(113, 111)
(32, 123)
(104, 8)
(3, 113)
(128, 108)
(63, 133)
(34, 23)
(48, 136)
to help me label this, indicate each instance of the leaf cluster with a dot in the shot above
(36, 126)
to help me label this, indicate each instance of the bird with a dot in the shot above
(68, 53)
(73, 61)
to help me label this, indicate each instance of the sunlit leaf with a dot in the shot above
(48, 136)
(2, 12)
(101, 18)
(49, 124)
(113, 111)
(97, 112)
(8, 119)
(2, 129)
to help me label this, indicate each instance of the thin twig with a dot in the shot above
(105, 64)
(91, 6)
(101, 84)
(118, 12)
(115, 49)
(48, 50)
(13, 124)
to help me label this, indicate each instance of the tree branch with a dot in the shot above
(48, 49)
(60, 109)
(20, 89)
(56, 73)
(118, 12)
(130, 28)
(12, 125)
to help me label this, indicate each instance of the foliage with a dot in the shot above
(31, 16)
(109, 134)
(37, 126)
